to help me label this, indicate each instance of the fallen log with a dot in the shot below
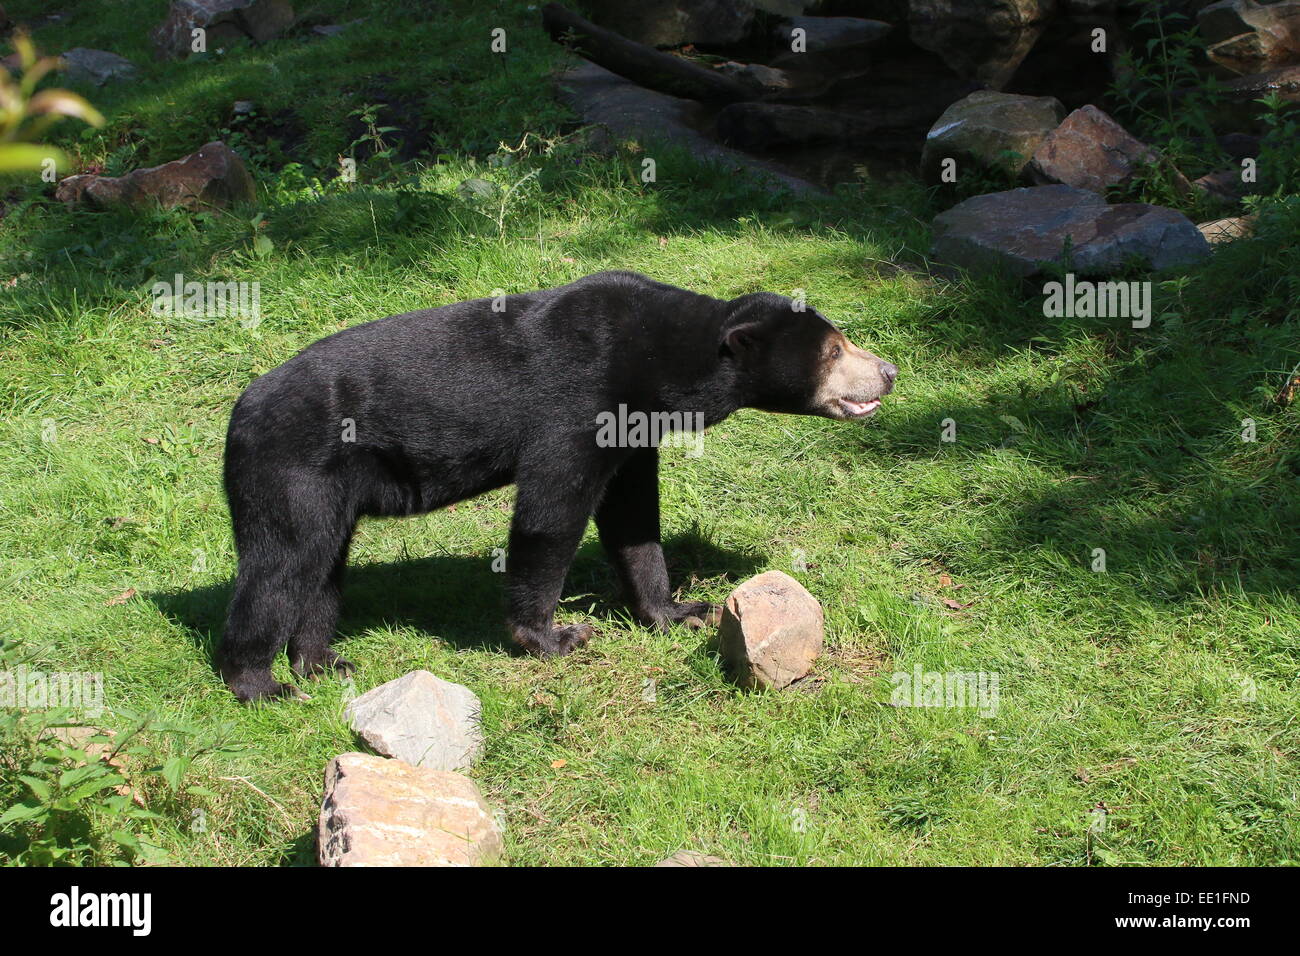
(639, 63)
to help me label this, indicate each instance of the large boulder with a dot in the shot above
(214, 177)
(771, 631)
(985, 40)
(1089, 150)
(990, 132)
(96, 67)
(422, 719)
(672, 23)
(1248, 37)
(1022, 230)
(379, 812)
(223, 21)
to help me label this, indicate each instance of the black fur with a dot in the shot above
(452, 402)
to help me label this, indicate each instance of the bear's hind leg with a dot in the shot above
(310, 653)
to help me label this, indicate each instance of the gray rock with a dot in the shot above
(824, 34)
(989, 132)
(223, 21)
(421, 719)
(96, 66)
(631, 111)
(1089, 150)
(1021, 230)
(378, 812)
(771, 631)
(985, 40)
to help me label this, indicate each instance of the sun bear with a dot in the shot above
(413, 412)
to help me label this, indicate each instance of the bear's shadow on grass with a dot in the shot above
(458, 598)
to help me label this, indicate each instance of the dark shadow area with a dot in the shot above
(458, 598)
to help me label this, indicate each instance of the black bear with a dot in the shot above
(414, 412)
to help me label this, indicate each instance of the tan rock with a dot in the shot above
(692, 858)
(215, 176)
(1226, 230)
(771, 631)
(379, 812)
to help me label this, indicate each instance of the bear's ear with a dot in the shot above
(740, 340)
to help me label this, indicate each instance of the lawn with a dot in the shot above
(1146, 712)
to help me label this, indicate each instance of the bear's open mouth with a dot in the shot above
(854, 409)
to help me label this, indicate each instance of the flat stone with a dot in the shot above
(83, 65)
(1248, 37)
(1226, 230)
(989, 131)
(692, 858)
(772, 630)
(213, 177)
(1022, 230)
(378, 812)
(421, 719)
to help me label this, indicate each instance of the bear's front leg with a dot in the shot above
(551, 513)
(628, 521)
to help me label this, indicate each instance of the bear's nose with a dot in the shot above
(888, 372)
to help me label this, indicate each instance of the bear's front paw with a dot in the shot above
(557, 642)
(694, 614)
(252, 686)
(318, 665)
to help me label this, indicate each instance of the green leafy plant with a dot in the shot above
(25, 114)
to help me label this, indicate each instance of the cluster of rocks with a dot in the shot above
(998, 91)
(411, 805)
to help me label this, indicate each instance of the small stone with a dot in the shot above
(379, 812)
(96, 66)
(692, 858)
(421, 719)
(771, 631)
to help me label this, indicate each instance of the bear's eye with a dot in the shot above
(836, 352)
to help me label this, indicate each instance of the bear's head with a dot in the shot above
(791, 359)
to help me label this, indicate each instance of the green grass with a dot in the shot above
(1126, 688)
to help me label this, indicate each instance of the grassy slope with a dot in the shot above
(1121, 439)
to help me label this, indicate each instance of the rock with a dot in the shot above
(379, 812)
(1089, 150)
(1226, 230)
(1021, 230)
(1249, 37)
(631, 111)
(692, 858)
(989, 131)
(334, 29)
(984, 40)
(1284, 82)
(672, 23)
(96, 66)
(421, 719)
(214, 177)
(1225, 185)
(826, 34)
(223, 20)
(758, 77)
(771, 631)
